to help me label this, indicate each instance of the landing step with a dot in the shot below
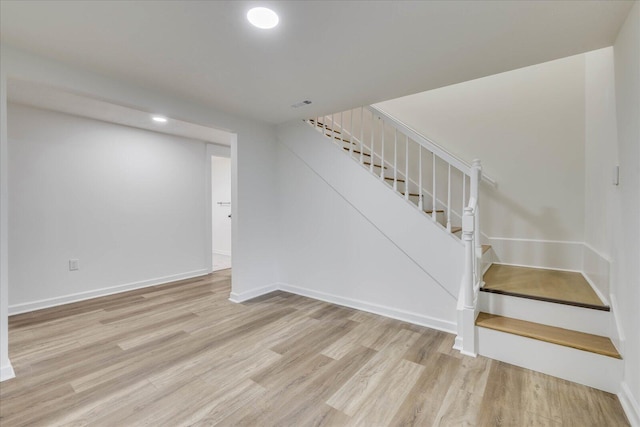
(561, 287)
(356, 151)
(566, 337)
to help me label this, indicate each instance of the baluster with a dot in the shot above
(351, 133)
(464, 190)
(382, 157)
(433, 196)
(395, 160)
(449, 200)
(406, 167)
(361, 135)
(373, 128)
(333, 127)
(420, 202)
(342, 134)
(476, 169)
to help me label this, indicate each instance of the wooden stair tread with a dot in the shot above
(320, 124)
(437, 211)
(389, 178)
(410, 194)
(561, 287)
(377, 166)
(356, 151)
(456, 229)
(552, 334)
(485, 248)
(338, 138)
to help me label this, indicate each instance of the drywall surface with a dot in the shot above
(127, 203)
(252, 152)
(527, 126)
(221, 206)
(626, 269)
(6, 370)
(601, 156)
(348, 238)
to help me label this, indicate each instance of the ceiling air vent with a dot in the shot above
(301, 104)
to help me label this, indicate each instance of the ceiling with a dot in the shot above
(338, 54)
(43, 96)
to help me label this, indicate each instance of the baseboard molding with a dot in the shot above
(6, 372)
(405, 316)
(630, 405)
(81, 296)
(595, 268)
(253, 293)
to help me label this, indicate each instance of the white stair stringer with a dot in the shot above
(587, 320)
(583, 367)
(427, 243)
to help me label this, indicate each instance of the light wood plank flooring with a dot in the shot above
(182, 354)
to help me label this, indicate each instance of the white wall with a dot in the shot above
(6, 370)
(347, 238)
(626, 269)
(128, 203)
(253, 155)
(601, 156)
(221, 192)
(527, 126)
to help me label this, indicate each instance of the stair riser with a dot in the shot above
(590, 369)
(580, 319)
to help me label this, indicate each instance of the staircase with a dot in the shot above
(546, 320)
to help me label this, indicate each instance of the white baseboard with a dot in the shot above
(630, 405)
(595, 268)
(81, 296)
(405, 316)
(253, 293)
(6, 372)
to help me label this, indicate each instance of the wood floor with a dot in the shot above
(182, 354)
(549, 285)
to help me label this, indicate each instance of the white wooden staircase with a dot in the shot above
(511, 317)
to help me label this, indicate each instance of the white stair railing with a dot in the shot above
(378, 139)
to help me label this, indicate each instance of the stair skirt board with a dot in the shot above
(583, 367)
(579, 319)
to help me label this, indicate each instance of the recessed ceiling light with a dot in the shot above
(263, 18)
(159, 119)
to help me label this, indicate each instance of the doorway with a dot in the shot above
(221, 212)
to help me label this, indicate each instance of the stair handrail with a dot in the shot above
(428, 144)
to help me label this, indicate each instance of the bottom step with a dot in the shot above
(568, 338)
(499, 338)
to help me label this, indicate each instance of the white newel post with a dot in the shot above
(468, 318)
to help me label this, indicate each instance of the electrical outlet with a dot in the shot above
(74, 265)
